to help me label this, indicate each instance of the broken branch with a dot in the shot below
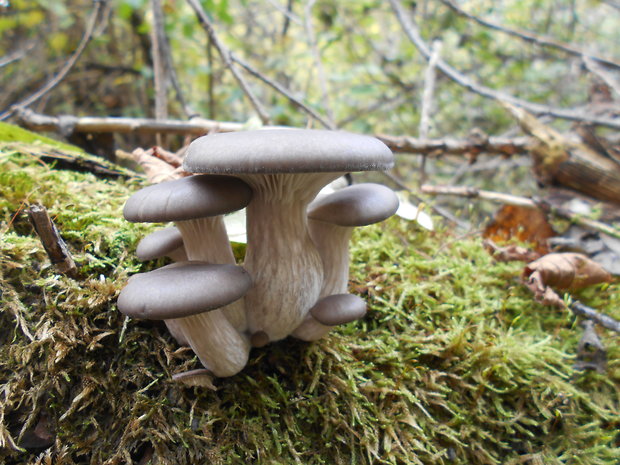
(53, 244)
(508, 199)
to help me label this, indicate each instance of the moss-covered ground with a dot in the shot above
(453, 364)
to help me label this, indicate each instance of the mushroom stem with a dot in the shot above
(218, 345)
(284, 263)
(332, 242)
(206, 240)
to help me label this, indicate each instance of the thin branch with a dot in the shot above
(531, 37)
(52, 83)
(224, 53)
(427, 102)
(317, 59)
(508, 199)
(607, 77)
(165, 54)
(17, 54)
(160, 71)
(600, 318)
(440, 211)
(414, 36)
(282, 90)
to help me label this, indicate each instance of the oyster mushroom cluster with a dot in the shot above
(294, 276)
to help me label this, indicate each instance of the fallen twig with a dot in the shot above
(508, 199)
(53, 244)
(604, 320)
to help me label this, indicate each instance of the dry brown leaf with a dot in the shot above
(522, 224)
(570, 271)
(157, 169)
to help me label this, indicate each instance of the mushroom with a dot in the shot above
(338, 309)
(285, 168)
(196, 205)
(331, 222)
(166, 242)
(191, 293)
(330, 311)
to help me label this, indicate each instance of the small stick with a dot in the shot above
(508, 199)
(599, 318)
(55, 247)
(427, 102)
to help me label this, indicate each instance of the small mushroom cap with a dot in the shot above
(357, 205)
(182, 289)
(271, 151)
(338, 309)
(159, 244)
(187, 198)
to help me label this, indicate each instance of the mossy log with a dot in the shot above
(453, 364)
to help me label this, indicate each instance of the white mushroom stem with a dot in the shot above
(218, 345)
(285, 266)
(332, 242)
(206, 240)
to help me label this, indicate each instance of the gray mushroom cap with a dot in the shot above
(187, 198)
(159, 244)
(357, 205)
(182, 289)
(338, 309)
(273, 151)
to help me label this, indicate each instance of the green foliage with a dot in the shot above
(454, 363)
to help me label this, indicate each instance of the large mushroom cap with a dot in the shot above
(338, 309)
(272, 151)
(187, 198)
(159, 244)
(182, 289)
(357, 205)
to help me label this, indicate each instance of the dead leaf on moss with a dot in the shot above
(521, 224)
(570, 271)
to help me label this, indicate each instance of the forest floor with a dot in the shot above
(453, 364)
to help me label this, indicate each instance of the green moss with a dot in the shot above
(454, 363)
(12, 133)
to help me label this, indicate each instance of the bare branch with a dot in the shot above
(17, 55)
(531, 37)
(413, 34)
(199, 126)
(427, 102)
(602, 73)
(88, 33)
(317, 59)
(224, 53)
(282, 90)
(508, 199)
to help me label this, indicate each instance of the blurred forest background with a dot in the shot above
(426, 70)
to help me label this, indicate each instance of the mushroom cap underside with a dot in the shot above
(159, 243)
(338, 309)
(356, 205)
(272, 151)
(188, 198)
(183, 289)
